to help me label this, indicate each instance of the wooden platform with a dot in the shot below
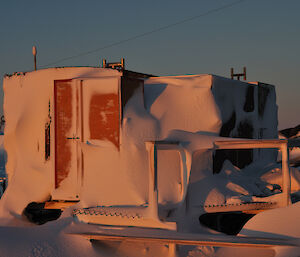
(59, 204)
(192, 239)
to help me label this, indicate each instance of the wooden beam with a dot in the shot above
(250, 143)
(194, 239)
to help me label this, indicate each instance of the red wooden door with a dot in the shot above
(86, 112)
(67, 139)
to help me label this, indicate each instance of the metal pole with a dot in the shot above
(103, 63)
(34, 52)
(123, 63)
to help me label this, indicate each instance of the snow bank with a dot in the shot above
(179, 103)
(48, 241)
(277, 223)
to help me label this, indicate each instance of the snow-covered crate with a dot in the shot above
(82, 134)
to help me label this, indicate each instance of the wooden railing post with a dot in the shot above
(286, 177)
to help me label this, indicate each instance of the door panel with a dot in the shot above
(104, 117)
(101, 110)
(67, 138)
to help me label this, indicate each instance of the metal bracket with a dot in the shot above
(73, 137)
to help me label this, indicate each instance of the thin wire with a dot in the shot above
(147, 33)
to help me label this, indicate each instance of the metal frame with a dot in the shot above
(173, 145)
(280, 144)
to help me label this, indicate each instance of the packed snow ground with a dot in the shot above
(21, 238)
(53, 240)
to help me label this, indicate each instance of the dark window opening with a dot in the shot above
(249, 102)
(238, 157)
(228, 126)
(36, 213)
(230, 223)
(47, 141)
(245, 129)
(263, 93)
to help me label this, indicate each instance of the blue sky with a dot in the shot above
(260, 34)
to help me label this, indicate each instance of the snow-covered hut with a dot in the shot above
(94, 134)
